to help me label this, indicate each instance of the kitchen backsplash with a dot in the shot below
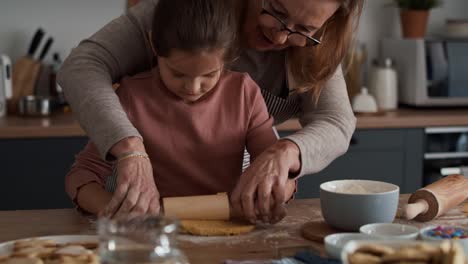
(70, 21)
(67, 21)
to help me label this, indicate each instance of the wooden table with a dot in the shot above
(265, 243)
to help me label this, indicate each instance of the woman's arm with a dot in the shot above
(87, 75)
(327, 126)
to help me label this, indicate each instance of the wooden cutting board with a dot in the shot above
(317, 230)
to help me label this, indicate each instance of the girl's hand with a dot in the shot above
(136, 192)
(263, 188)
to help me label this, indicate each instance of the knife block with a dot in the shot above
(43, 86)
(25, 73)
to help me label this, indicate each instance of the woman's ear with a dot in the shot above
(150, 40)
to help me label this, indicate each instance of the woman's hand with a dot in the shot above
(136, 192)
(262, 190)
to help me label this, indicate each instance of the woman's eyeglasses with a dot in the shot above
(296, 38)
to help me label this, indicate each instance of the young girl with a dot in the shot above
(204, 117)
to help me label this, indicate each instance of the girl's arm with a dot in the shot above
(93, 198)
(85, 183)
(264, 188)
(260, 133)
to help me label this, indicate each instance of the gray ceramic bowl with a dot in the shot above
(335, 243)
(350, 204)
(390, 231)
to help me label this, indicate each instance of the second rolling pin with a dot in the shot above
(437, 198)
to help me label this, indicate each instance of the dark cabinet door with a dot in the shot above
(389, 155)
(33, 172)
(387, 166)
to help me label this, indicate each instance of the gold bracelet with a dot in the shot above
(133, 154)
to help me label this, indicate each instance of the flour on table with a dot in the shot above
(270, 235)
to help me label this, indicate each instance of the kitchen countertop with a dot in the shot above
(64, 125)
(402, 118)
(58, 125)
(264, 243)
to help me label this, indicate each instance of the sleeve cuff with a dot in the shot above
(74, 182)
(104, 148)
(297, 139)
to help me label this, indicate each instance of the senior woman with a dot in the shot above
(291, 48)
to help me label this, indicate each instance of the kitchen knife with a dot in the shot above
(35, 42)
(46, 48)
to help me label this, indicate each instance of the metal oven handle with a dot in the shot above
(463, 170)
(446, 130)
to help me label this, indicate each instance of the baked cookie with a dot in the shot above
(73, 251)
(38, 251)
(32, 252)
(34, 243)
(406, 255)
(363, 258)
(4, 257)
(85, 244)
(376, 250)
(21, 260)
(454, 253)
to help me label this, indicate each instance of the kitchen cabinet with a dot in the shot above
(390, 155)
(36, 154)
(33, 172)
(33, 169)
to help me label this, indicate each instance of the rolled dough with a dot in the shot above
(214, 227)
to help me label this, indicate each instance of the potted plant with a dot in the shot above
(414, 15)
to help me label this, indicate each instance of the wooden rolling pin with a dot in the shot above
(205, 207)
(437, 198)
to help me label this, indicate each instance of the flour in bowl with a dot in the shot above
(353, 188)
(358, 187)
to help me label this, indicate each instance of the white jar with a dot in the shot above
(383, 84)
(363, 102)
